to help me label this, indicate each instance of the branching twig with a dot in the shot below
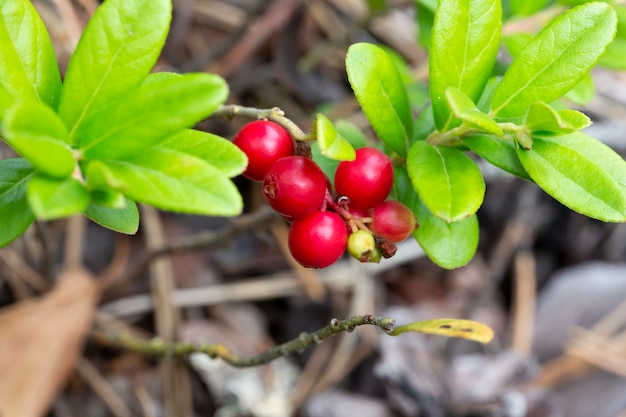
(274, 114)
(303, 341)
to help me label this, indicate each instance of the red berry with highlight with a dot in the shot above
(264, 143)
(367, 180)
(392, 221)
(294, 186)
(318, 240)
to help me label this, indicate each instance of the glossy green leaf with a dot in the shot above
(213, 149)
(331, 144)
(169, 180)
(447, 180)
(580, 172)
(118, 48)
(465, 329)
(44, 142)
(464, 45)
(124, 219)
(449, 245)
(515, 42)
(543, 117)
(463, 108)
(556, 59)
(27, 60)
(149, 114)
(15, 214)
(498, 152)
(51, 198)
(381, 94)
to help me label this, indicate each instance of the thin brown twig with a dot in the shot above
(157, 347)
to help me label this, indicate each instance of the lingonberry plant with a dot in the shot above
(112, 134)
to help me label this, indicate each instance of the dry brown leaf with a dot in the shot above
(40, 340)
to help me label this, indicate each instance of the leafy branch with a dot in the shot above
(465, 329)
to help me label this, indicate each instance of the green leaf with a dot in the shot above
(51, 198)
(169, 180)
(213, 149)
(117, 50)
(465, 329)
(123, 220)
(542, 117)
(27, 61)
(464, 109)
(149, 114)
(44, 142)
(15, 214)
(580, 172)
(556, 59)
(449, 245)
(515, 42)
(464, 44)
(331, 144)
(381, 94)
(498, 152)
(447, 180)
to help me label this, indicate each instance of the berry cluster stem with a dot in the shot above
(275, 114)
(157, 347)
(354, 222)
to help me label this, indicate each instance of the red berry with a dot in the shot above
(264, 143)
(367, 180)
(392, 221)
(318, 240)
(294, 186)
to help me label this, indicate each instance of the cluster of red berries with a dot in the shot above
(322, 227)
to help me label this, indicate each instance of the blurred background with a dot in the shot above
(550, 282)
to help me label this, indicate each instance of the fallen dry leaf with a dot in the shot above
(40, 340)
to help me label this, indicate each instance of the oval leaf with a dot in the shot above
(213, 149)
(51, 198)
(449, 245)
(169, 180)
(117, 50)
(542, 117)
(124, 219)
(149, 114)
(580, 172)
(15, 214)
(463, 48)
(465, 329)
(331, 144)
(448, 181)
(43, 143)
(381, 94)
(556, 59)
(27, 60)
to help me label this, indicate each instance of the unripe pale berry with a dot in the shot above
(367, 180)
(294, 186)
(392, 221)
(263, 142)
(318, 240)
(362, 245)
